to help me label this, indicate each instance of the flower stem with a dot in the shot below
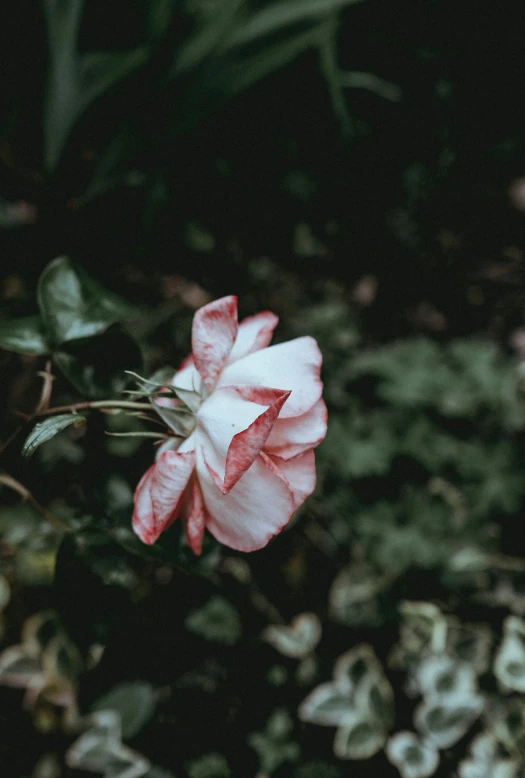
(84, 406)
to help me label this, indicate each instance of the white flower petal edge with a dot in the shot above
(290, 437)
(255, 333)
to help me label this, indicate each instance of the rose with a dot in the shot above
(247, 462)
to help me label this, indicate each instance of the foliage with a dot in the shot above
(429, 501)
(323, 160)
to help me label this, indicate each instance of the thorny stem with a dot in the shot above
(27, 497)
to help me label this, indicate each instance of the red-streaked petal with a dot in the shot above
(294, 365)
(143, 508)
(262, 395)
(159, 494)
(174, 444)
(256, 509)
(170, 477)
(195, 516)
(255, 333)
(214, 331)
(246, 445)
(233, 428)
(299, 473)
(290, 437)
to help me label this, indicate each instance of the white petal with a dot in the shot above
(255, 333)
(233, 429)
(294, 366)
(214, 331)
(256, 509)
(300, 474)
(290, 437)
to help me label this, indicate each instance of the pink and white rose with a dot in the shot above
(247, 462)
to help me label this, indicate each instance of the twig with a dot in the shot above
(47, 388)
(10, 439)
(84, 406)
(27, 497)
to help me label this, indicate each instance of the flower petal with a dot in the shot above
(195, 516)
(187, 376)
(174, 444)
(255, 510)
(294, 365)
(235, 429)
(255, 333)
(159, 494)
(299, 473)
(171, 474)
(246, 445)
(143, 508)
(214, 331)
(290, 437)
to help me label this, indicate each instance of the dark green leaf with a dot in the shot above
(359, 739)
(134, 700)
(27, 336)
(75, 81)
(74, 305)
(47, 429)
(218, 620)
(209, 766)
(274, 746)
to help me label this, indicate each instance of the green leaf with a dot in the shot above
(212, 35)
(135, 701)
(27, 336)
(74, 305)
(100, 70)
(509, 662)
(218, 620)
(18, 524)
(209, 766)
(326, 706)
(100, 750)
(5, 593)
(443, 723)
(360, 738)
(273, 746)
(274, 17)
(297, 640)
(486, 759)
(47, 429)
(412, 757)
(61, 658)
(75, 81)
(96, 366)
(440, 675)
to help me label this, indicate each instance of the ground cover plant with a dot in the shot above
(355, 171)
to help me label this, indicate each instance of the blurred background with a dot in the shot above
(358, 167)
